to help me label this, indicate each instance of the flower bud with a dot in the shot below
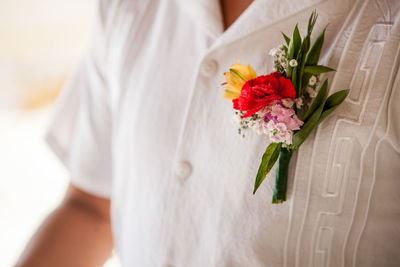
(293, 63)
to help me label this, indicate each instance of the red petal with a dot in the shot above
(236, 103)
(286, 89)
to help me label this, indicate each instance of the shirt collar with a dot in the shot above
(263, 13)
(260, 14)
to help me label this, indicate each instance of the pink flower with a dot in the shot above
(279, 113)
(279, 133)
(280, 122)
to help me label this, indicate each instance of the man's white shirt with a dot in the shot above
(142, 122)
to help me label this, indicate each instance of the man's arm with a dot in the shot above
(77, 233)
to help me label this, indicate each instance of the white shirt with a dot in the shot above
(142, 122)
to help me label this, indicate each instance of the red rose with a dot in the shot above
(261, 91)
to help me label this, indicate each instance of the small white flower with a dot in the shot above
(299, 102)
(281, 127)
(293, 63)
(256, 126)
(312, 81)
(236, 119)
(313, 93)
(274, 69)
(273, 52)
(270, 126)
(251, 124)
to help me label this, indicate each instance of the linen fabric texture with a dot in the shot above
(142, 122)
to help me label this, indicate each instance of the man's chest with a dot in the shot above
(174, 144)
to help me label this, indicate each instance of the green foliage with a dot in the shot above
(294, 43)
(318, 100)
(294, 76)
(307, 55)
(333, 102)
(317, 112)
(313, 54)
(293, 49)
(317, 69)
(300, 136)
(311, 22)
(287, 39)
(268, 160)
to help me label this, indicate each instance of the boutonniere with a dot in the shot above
(285, 105)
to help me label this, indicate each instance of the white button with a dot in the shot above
(183, 169)
(210, 67)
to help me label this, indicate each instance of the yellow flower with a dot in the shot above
(238, 74)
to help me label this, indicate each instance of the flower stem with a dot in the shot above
(281, 176)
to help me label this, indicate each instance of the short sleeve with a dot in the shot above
(80, 129)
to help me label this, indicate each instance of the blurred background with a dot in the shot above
(41, 42)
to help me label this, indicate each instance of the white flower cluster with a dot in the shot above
(255, 123)
(311, 88)
(277, 120)
(280, 61)
(245, 123)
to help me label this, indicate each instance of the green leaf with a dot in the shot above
(311, 21)
(302, 61)
(305, 78)
(333, 102)
(324, 109)
(294, 77)
(305, 46)
(285, 48)
(296, 37)
(294, 44)
(268, 160)
(300, 136)
(318, 100)
(296, 41)
(313, 54)
(297, 75)
(287, 39)
(290, 49)
(317, 69)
